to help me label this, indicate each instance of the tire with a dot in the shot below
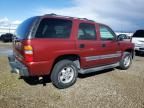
(64, 74)
(126, 61)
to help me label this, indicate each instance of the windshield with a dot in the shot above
(139, 33)
(24, 28)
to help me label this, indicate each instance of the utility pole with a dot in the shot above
(9, 27)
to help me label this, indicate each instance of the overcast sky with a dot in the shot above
(121, 15)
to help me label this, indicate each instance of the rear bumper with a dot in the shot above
(30, 69)
(17, 67)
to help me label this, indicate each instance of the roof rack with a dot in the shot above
(86, 19)
(53, 14)
(83, 18)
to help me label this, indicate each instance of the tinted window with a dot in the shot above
(54, 28)
(139, 33)
(24, 28)
(86, 32)
(106, 33)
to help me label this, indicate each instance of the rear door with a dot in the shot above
(110, 50)
(88, 44)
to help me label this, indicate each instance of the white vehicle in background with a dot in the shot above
(138, 40)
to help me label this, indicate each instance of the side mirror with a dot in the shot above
(119, 38)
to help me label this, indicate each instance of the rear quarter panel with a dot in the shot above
(47, 50)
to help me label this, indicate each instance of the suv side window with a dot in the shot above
(86, 31)
(106, 33)
(54, 28)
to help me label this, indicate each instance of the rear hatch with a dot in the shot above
(22, 34)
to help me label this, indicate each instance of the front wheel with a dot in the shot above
(126, 61)
(64, 74)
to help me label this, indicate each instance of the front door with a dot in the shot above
(110, 50)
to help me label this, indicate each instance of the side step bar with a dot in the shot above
(85, 71)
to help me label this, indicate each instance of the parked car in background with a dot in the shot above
(138, 40)
(123, 37)
(62, 47)
(0, 38)
(6, 37)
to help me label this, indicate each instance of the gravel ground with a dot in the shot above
(106, 89)
(5, 45)
(5, 48)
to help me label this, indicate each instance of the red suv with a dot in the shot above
(62, 47)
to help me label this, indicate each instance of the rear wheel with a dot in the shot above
(64, 74)
(126, 61)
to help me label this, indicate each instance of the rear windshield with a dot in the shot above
(24, 28)
(54, 28)
(139, 33)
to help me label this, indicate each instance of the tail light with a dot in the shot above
(28, 53)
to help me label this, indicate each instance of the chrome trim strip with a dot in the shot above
(92, 58)
(100, 57)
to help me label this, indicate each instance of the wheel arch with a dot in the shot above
(130, 50)
(73, 57)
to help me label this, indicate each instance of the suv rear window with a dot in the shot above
(54, 28)
(24, 28)
(139, 33)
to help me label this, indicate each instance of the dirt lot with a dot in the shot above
(107, 89)
(5, 45)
